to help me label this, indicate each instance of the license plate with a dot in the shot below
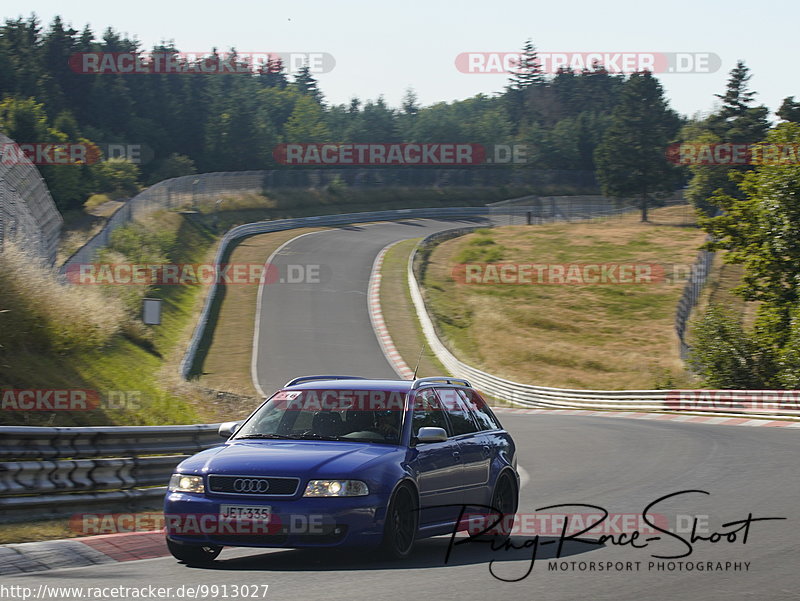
(251, 512)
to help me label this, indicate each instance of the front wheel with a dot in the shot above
(400, 529)
(194, 555)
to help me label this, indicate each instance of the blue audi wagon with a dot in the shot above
(342, 461)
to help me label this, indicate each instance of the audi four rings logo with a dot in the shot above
(250, 485)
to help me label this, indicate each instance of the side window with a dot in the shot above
(427, 412)
(483, 415)
(460, 416)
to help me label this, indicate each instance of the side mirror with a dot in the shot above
(431, 435)
(228, 429)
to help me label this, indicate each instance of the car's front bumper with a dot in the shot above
(297, 522)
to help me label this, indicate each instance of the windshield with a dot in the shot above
(374, 416)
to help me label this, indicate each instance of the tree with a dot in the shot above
(175, 165)
(375, 123)
(528, 71)
(789, 110)
(631, 158)
(737, 121)
(760, 231)
(272, 74)
(307, 85)
(306, 124)
(438, 123)
(526, 78)
(119, 178)
(726, 356)
(410, 103)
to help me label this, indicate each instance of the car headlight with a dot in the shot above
(336, 488)
(184, 483)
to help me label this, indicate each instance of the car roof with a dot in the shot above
(387, 385)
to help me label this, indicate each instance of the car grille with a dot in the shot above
(253, 485)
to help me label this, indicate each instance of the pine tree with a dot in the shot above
(410, 102)
(529, 70)
(737, 121)
(631, 159)
(307, 85)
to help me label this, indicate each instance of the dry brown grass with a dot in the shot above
(39, 312)
(578, 336)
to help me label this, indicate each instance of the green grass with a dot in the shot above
(135, 364)
(223, 361)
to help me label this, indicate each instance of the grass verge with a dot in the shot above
(226, 364)
(399, 314)
(59, 528)
(573, 336)
(135, 370)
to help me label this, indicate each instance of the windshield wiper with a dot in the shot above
(254, 436)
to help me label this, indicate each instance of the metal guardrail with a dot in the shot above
(28, 215)
(707, 402)
(53, 471)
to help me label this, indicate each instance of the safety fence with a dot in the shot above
(28, 215)
(690, 296)
(189, 190)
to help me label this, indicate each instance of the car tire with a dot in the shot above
(194, 555)
(505, 499)
(400, 526)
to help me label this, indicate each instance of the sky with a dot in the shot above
(384, 48)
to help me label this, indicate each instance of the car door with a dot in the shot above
(437, 465)
(494, 442)
(472, 447)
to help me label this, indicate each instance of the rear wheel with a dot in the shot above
(194, 555)
(504, 500)
(400, 529)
